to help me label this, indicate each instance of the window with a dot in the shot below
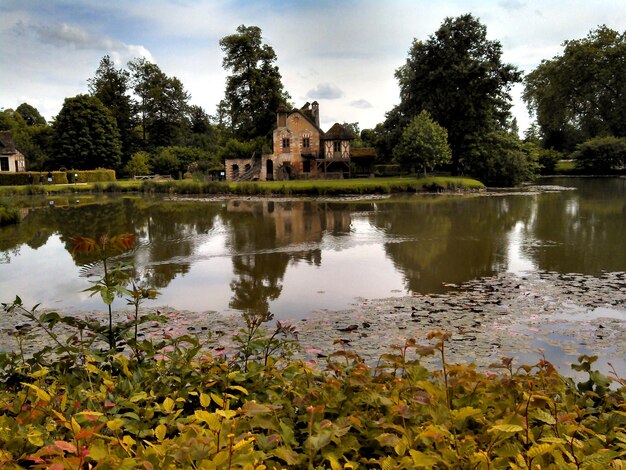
(285, 143)
(306, 143)
(337, 146)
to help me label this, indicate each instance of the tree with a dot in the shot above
(139, 164)
(86, 135)
(457, 75)
(163, 104)
(424, 143)
(254, 89)
(31, 115)
(581, 94)
(111, 86)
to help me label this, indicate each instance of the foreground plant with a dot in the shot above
(179, 407)
(114, 280)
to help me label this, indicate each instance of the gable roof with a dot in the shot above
(306, 115)
(7, 146)
(337, 132)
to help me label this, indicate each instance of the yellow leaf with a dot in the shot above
(242, 443)
(75, 426)
(41, 394)
(420, 459)
(98, 450)
(168, 405)
(160, 432)
(40, 373)
(506, 428)
(464, 413)
(388, 464)
(543, 416)
(228, 414)
(539, 449)
(129, 441)
(137, 397)
(205, 400)
(115, 424)
(217, 399)
(239, 388)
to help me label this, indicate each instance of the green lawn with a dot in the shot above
(298, 187)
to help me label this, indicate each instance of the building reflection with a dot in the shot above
(266, 236)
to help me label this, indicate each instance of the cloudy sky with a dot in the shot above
(340, 53)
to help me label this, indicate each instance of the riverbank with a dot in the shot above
(265, 188)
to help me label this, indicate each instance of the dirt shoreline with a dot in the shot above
(507, 315)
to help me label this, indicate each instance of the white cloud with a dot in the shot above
(325, 91)
(361, 104)
(343, 54)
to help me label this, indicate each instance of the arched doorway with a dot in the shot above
(269, 166)
(235, 171)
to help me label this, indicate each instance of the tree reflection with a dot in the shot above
(581, 231)
(434, 241)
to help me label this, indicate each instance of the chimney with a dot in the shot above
(281, 116)
(315, 109)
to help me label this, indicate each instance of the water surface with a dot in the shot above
(296, 256)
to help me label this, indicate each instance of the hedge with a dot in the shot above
(58, 177)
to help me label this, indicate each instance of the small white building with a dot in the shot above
(11, 159)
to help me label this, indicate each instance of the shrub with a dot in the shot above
(601, 154)
(499, 159)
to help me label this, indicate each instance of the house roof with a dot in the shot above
(337, 132)
(7, 146)
(305, 113)
(365, 152)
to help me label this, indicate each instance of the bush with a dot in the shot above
(604, 154)
(499, 159)
(58, 177)
(170, 404)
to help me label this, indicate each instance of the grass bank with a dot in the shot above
(266, 188)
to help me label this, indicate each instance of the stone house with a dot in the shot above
(301, 150)
(11, 159)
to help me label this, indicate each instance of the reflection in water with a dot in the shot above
(295, 256)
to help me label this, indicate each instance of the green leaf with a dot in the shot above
(506, 428)
(288, 456)
(543, 416)
(388, 439)
(421, 459)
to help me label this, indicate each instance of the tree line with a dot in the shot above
(453, 114)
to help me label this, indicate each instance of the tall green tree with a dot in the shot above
(31, 115)
(163, 104)
(581, 94)
(112, 87)
(86, 135)
(254, 88)
(424, 144)
(458, 76)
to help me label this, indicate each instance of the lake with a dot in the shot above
(296, 256)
